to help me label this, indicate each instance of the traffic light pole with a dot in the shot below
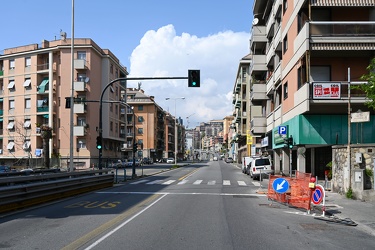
(101, 107)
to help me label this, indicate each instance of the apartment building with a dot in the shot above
(154, 128)
(35, 81)
(305, 57)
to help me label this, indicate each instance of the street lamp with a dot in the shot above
(175, 127)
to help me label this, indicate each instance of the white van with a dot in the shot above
(245, 163)
(260, 166)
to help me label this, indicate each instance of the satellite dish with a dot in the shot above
(255, 21)
(87, 79)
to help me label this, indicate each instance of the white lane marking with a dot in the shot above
(182, 182)
(226, 182)
(168, 182)
(122, 224)
(211, 182)
(241, 183)
(256, 184)
(197, 182)
(162, 193)
(154, 182)
(137, 182)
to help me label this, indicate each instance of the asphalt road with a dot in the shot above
(201, 206)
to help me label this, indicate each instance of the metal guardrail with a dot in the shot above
(25, 191)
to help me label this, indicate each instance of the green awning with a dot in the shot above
(46, 116)
(42, 86)
(1, 99)
(1, 119)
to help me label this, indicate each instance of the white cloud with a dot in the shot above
(163, 53)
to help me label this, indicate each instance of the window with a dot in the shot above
(81, 121)
(12, 64)
(111, 126)
(301, 76)
(140, 107)
(10, 125)
(27, 103)
(27, 62)
(11, 84)
(140, 131)
(10, 145)
(285, 44)
(81, 143)
(111, 69)
(26, 145)
(81, 77)
(11, 104)
(27, 83)
(27, 124)
(285, 6)
(81, 55)
(285, 90)
(140, 118)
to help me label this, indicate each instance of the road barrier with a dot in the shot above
(26, 191)
(298, 194)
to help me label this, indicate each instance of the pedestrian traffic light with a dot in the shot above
(135, 147)
(194, 78)
(99, 142)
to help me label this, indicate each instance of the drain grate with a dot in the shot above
(314, 226)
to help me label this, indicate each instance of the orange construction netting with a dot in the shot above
(299, 193)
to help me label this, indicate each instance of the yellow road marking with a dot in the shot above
(110, 224)
(187, 175)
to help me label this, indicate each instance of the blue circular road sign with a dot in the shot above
(280, 185)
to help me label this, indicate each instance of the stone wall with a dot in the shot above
(340, 170)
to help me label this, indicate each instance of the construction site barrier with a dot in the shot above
(299, 193)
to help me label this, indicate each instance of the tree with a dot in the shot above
(46, 133)
(369, 87)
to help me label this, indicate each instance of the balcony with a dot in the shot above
(79, 64)
(79, 108)
(42, 109)
(258, 125)
(258, 35)
(258, 63)
(79, 130)
(258, 92)
(341, 35)
(80, 86)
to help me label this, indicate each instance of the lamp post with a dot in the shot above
(175, 127)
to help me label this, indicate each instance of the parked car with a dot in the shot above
(130, 163)
(147, 160)
(170, 160)
(260, 166)
(229, 160)
(245, 164)
(4, 169)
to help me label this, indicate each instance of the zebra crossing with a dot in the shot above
(195, 182)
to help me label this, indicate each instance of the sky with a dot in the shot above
(152, 38)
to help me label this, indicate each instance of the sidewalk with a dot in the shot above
(362, 213)
(339, 209)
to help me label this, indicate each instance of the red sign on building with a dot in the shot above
(326, 90)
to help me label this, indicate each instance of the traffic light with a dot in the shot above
(99, 142)
(194, 78)
(290, 142)
(135, 147)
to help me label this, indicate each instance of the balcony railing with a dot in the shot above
(342, 29)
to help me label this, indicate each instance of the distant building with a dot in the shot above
(35, 81)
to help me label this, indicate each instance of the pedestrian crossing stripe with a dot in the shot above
(196, 182)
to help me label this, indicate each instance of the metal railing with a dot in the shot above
(24, 191)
